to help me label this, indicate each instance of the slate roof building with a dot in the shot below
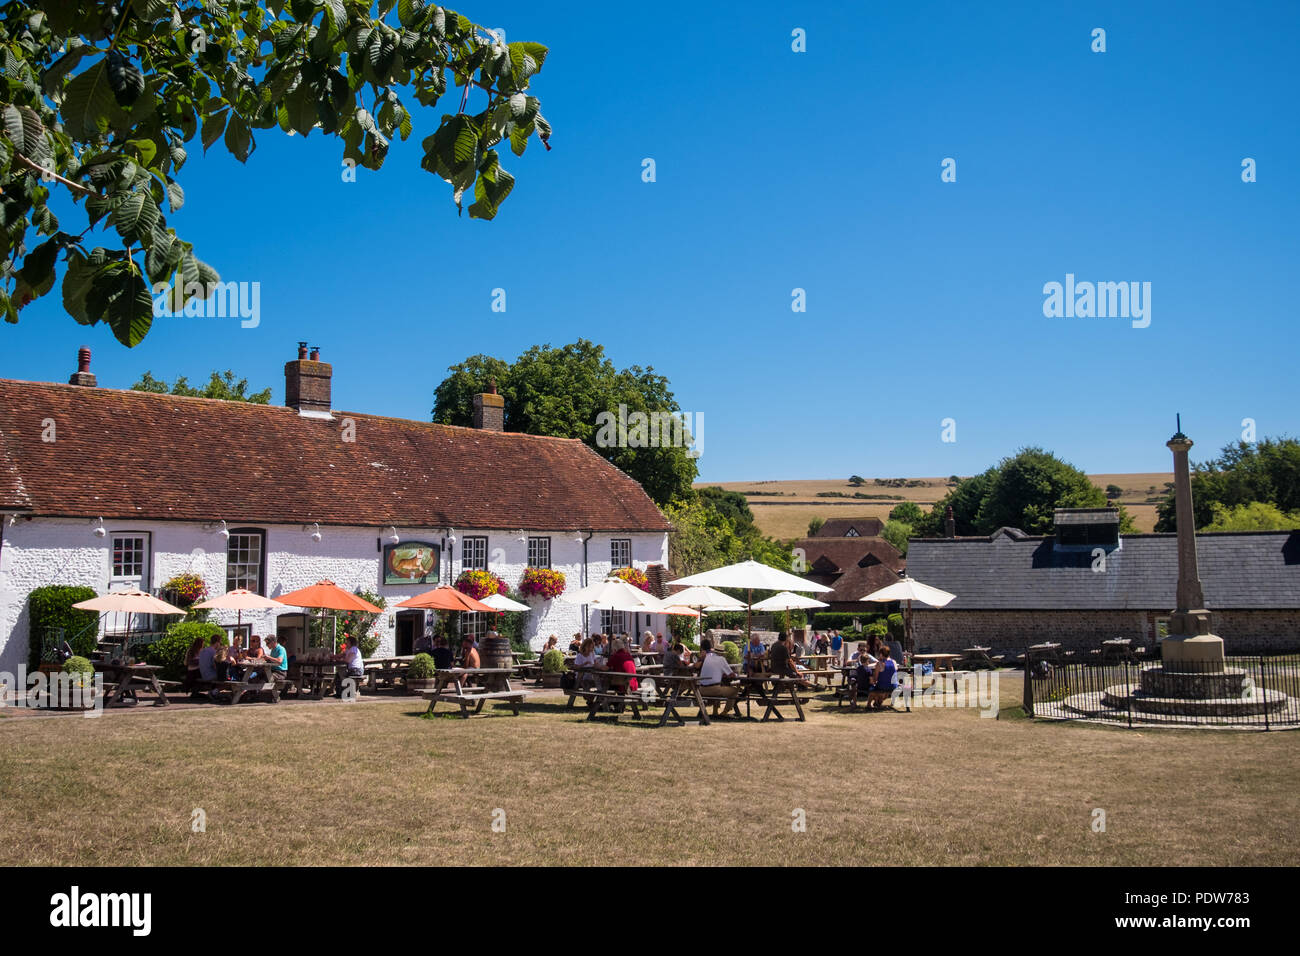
(1088, 583)
(109, 488)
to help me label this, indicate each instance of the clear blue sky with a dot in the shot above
(818, 170)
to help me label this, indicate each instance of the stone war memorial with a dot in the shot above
(1194, 683)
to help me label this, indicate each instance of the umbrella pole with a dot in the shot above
(749, 613)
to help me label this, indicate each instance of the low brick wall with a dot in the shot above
(1243, 632)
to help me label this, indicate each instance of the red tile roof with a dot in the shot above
(136, 454)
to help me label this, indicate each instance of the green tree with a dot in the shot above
(1113, 492)
(897, 533)
(1267, 471)
(101, 99)
(1022, 491)
(815, 525)
(856, 480)
(1254, 516)
(909, 513)
(221, 385)
(576, 392)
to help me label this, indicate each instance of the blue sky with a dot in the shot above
(818, 170)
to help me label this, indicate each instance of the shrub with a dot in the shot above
(81, 667)
(553, 662)
(895, 624)
(168, 652)
(878, 628)
(51, 607)
(421, 668)
(842, 620)
(731, 652)
(511, 624)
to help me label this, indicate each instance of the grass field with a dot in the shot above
(374, 783)
(784, 508)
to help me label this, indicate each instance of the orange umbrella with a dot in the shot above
(445, 598)
(328, 595)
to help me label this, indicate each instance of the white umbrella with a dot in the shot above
(750, 575)
(909, 590)
(613, 594)
(131, 601)
(500, 602)
(786, 601)
(703, 598)
(239, 600)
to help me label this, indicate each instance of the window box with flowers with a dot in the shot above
(480, 584)
(633, 576)
(185, 589)
(542, 582)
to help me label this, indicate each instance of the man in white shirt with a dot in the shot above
(715, 679)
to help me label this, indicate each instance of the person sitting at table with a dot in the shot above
(468, 653)
(351, 657)
(255, 651)
(715, 679)
(822, 645)
(584, 662)
(192, 665)
(755, 654)
(441, 654)
(621, 661)
(648, 641)
(552, 644)
(575, 645)
(278, 656)
(208, 663)
(423, 644)
(884, 680)
(862, 655)
(602, 645)
(222, 662)
(675, 659)
(780, 662)
(864, 675)
(236, 652)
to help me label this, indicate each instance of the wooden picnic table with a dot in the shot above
(946, 660)
(386, 669)
(245, 670)
(464, 693)
(312, 675)
(132, 677)
(755, 687)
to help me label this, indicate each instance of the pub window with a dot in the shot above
(130, 557)
(539, 552)
(473, 624)
(473, 554)
(620, 553)
(246, 560)
(615, 622)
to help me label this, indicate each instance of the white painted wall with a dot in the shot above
(43, 551)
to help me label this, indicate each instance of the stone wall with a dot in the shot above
(1243, 632)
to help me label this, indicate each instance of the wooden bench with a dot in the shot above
(512, 697)
(615, 702)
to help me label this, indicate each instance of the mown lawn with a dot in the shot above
(374, 783)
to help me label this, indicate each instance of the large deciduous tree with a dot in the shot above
(1266, 471)
(222, 385)
(105, 100)
(568, 393)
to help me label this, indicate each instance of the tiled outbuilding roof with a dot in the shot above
(841, 527)
(1012, 571)
(136, 454)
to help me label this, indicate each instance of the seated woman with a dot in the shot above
(351, 657)
(192, 665)
(621, 661)
(255, 651)
(583, 662)
(236, 652)
(648, 641)
(885, 681)
(552, 644)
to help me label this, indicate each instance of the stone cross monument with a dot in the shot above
(1190, 640)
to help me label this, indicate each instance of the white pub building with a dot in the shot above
(108, 488)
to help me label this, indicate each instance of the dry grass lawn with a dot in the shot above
(373, 783)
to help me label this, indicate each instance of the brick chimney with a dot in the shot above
(949, 524)
(490, 409)
(307, 384)
(83, 375)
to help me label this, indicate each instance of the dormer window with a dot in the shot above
(851, 533)
(1087, 527)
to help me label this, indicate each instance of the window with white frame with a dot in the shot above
(474, 553)
(473, 624)
(620, 553)
(615, 622)
(539, 552)
(130, 559)
(246, 560)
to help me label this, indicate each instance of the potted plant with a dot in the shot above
(553, 667)
(732, 653)
(81, 674)
(420, 674)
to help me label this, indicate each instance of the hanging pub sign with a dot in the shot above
(411, 562)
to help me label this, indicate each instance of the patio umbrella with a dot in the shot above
(328, 596)
(786, 601)
(444, 598)
(750, 575)
(909, 590)
(613, 594)
(239, 600)
(130, 602)
(702, 599)
(499, 602)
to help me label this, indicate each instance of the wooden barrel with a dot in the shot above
(495, 652)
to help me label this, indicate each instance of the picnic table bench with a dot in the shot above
(128, 678)
(784, 693)
(386, 670)
(465, 694)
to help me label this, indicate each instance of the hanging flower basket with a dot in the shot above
(542, 582)
(480, 584)
(186, 589)
(635, 577)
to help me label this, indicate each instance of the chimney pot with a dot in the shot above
(302, 351)
(949, 523)
(83, 375)
(315, 353)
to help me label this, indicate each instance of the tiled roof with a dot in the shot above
(856, 583)
(839, 527)
(841, 554)
(1238, 571)
(137, 454)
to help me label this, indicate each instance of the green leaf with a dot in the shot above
(129, 307)
(239, 138)
(213, 126)
(146, 151)
(13, 125)
(125, 78)
(175, 196)
(89, 108)
(135, 218)
(37, 271)
(76, 285)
